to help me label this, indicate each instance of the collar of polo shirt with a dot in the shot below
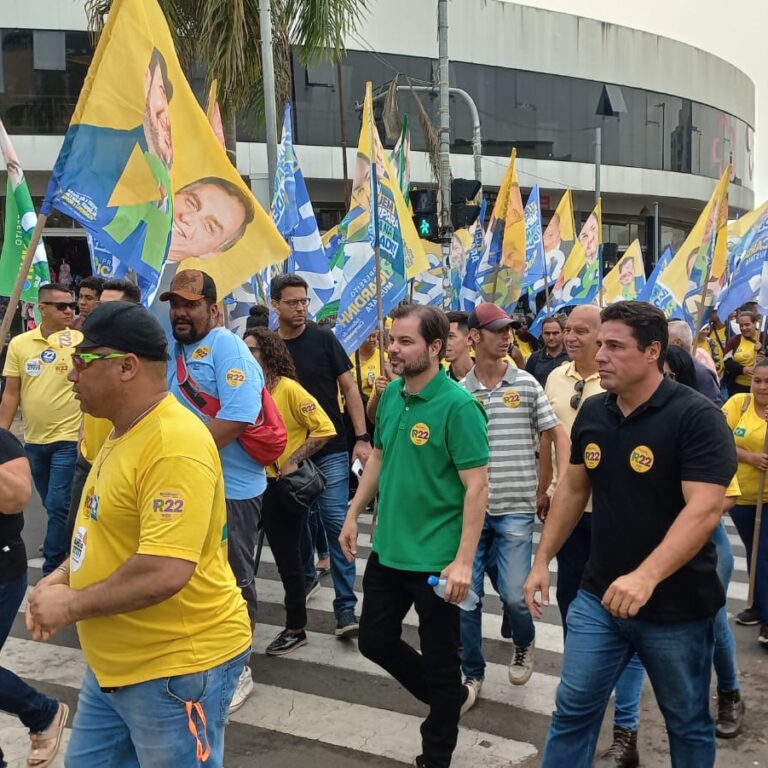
(572, 373)
(656, 400)
(473, 383)
(429, 391)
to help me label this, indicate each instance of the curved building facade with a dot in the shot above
(671, 116)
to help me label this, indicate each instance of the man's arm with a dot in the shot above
(354, 405)
(10, 402)
(142, 581)
(366, 490)
(15, 486)
(225, 432)
(546, 473)
(687, 535)
(458, 574)
(562, 445)
(568, 505)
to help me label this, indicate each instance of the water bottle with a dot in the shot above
(438, 585)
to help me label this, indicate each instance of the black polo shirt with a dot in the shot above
(540, 364)
(13, 555)
(636, 466)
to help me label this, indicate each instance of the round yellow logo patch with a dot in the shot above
(641, 459)
(592, 455)
(419, 433)
(511, 398)
(201, 353)
(234, 377)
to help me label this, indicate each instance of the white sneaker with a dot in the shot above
(243, 691)
(473, 691)
(521, 666)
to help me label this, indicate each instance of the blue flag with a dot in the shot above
(664, 259)
(469, 295)
(534, 244)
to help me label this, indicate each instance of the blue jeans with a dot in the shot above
(331, 506)
(53, 466)
(743, 517)
(151, 725)
(504, 551)
(678, 659)
(35, 711)
(725, 646)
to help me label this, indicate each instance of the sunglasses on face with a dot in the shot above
(576, 399)
(82, 360)
(62, 306)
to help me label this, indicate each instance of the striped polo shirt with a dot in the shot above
(518, 412)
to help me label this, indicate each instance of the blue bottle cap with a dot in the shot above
(433, 581)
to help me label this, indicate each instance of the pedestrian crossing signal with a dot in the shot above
(424, 207)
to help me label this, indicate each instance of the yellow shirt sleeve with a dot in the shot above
(307, 411)
(734, 409)
(175, 499)
(12, 360)
(733, 489)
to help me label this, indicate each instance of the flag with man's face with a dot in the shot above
(142, 171)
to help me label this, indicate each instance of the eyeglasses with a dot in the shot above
(62, 306)
(293, 303)
(576, 399)
(83, 359)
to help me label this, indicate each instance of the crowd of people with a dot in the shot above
(163, 463)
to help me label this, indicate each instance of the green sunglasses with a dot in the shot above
(82, 359)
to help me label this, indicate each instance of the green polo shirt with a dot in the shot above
(425, 439)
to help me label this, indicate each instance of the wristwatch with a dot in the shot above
(365, 437)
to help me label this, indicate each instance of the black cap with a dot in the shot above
(126, 327)
(191, 285)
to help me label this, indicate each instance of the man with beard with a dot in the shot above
(216, 362)
(431, 448)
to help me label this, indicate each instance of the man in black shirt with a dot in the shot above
(324, 368)
(552, 355)
(657, 457)
(44, 717)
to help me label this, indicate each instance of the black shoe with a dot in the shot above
(623, 752)
(762, 638)
(749, 617)
(730, 714)
(286, 642)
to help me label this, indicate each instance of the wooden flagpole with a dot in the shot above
(756, 535)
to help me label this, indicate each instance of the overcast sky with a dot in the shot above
(734, 30)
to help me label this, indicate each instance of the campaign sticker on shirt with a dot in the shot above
(91, 506)
(419, 433)
(307, 408)
(740, 431)
(48, 355)
(511, 398)
(641, 459)
(234, 377)
(61, 367)
(168, 505)
(34, 367)
(201, 353)
(592, 455)
(78, 549)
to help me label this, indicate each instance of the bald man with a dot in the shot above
(707, 383)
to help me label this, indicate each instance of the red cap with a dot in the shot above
(489, 316)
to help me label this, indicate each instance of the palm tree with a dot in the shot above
(225, 35)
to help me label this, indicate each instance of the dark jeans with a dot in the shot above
(243, 518)
(34, 710)
(52, 468)
(743, 517)
(82, 468)
(284, 528)
(432, 676)
(571, 561)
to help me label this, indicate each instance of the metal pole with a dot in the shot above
(347, 185)
(656, 233)
(446, 230)
(268, 77)
(598, 160)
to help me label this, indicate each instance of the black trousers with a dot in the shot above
(432, 676)
(284, 527)
(571, 561)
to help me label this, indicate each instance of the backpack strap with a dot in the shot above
(207, 404)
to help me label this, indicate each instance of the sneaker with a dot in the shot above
(347, 624)
(312, 589)
(730, 714)
(473, 688)
(762, 638)
(749, 617)
(623, 752)
(521, 666)
(243, 691)
(286, 642)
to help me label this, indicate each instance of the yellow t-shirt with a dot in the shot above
(749, 433)
(369, 370)
(302, 415)
(48, 404)
(744, 355)
(158, 490)
(525, 348)
(95, 432)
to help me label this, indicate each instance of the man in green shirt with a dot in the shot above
(429, 466)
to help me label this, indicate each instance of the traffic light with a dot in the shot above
(464, 211)
(424, 206)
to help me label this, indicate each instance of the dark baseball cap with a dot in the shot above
(489, 316)
(126, 327)
(192, 285)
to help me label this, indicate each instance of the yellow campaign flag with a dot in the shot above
(579, 280)
(625, 281)
(558, 240)
(143, 172)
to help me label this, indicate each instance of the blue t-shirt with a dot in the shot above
(221, 365)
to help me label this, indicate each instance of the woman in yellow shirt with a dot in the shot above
(741, 353)
(308, 428)
(746, 415)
